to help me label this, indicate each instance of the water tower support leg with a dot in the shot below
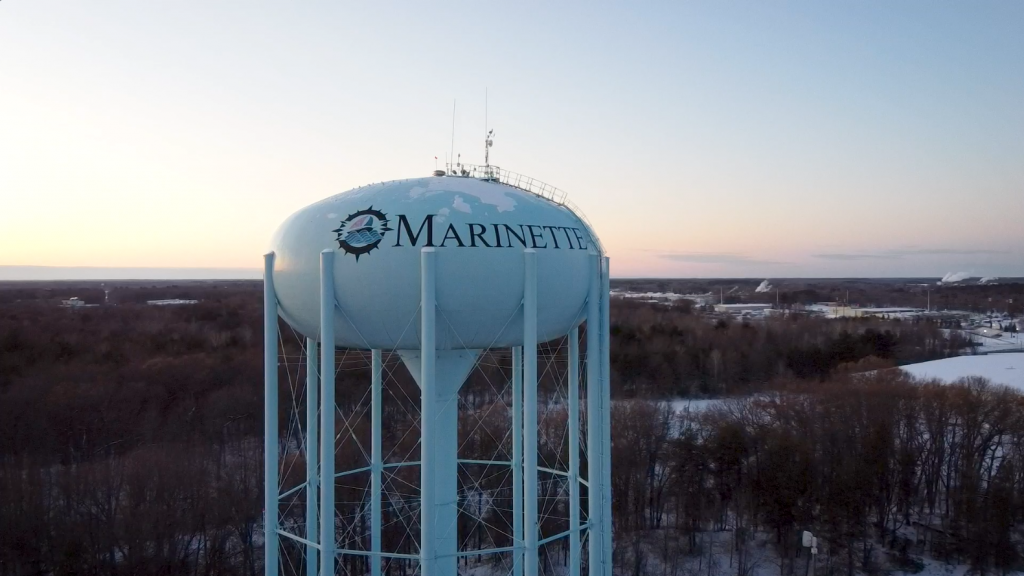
(376, 457)
(517, 460)
(270, 437)
(312, 455)
(574, 452)
(530, 413)
(595, 474)
(606, 400)
(428, 520)
(440, 374)
(447, 381)
(327, 432)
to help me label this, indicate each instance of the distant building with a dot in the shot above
(74, 303)
(171, 302)
(861, 312)
(741, 308)
(838, 310)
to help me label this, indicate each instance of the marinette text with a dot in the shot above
(474, 235)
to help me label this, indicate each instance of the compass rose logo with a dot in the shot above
(362, 231)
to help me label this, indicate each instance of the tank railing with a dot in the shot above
(525, 183)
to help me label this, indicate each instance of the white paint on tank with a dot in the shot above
(493, 196)
(378, 232)
(460, 205)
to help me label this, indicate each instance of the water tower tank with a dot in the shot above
(479, 229)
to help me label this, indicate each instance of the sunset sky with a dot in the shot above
(749, 139)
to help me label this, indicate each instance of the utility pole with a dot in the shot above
(809, 541)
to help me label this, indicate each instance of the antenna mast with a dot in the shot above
(451, 155)
(488, 141)
(487, 152)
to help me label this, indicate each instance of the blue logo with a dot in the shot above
(362, 231)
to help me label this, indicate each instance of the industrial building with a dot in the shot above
(741, 308)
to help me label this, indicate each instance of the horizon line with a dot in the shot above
(10, 273)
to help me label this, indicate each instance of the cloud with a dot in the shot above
(897, 254)
(946, 251)
(712, 258)
(845, 257)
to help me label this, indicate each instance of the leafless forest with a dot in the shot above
(130, 441)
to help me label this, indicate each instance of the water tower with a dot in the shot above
(471, 271)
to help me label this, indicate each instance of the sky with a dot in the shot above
(701, 139)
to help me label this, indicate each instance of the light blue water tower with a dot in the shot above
(436, 271)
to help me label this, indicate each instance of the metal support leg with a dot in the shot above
(327, 432)
(517, 460)
(606, 401)
(428, 523)
(270, 434)
(376, 462)
(530, 527)
(440, 374)
(574, 452)
(312, 455)
(595, 470)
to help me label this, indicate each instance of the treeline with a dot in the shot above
(666, 351)
(882, 469)
(130, 438)
(131, 435)
(17, 293)
(1000, 296)
(124, 291)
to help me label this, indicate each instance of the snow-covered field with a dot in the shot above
(1007, 342)
(1005, 369)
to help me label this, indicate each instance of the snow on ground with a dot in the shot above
(691, 405)
(984, 344)
(1003, 344)
(1005, 369)
(936, 568)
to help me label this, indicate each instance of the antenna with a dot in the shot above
(488, 140)
(452, 153)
